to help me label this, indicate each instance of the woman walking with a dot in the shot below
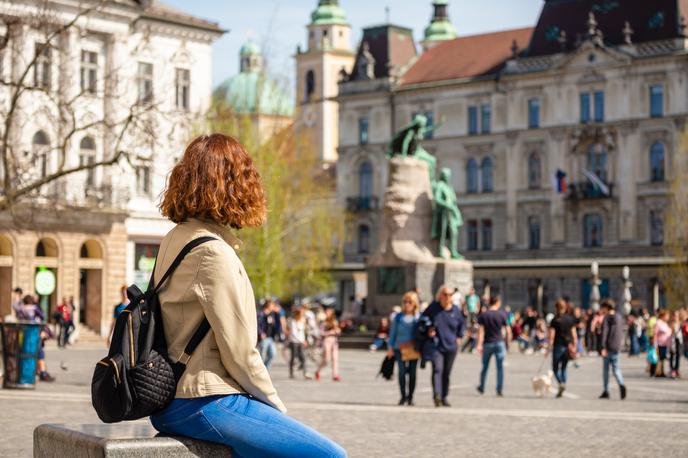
(662, 333)
(296, 327)
(329, 333)
(676, 344)
(403, 346)
(225, 395)
(562, 340)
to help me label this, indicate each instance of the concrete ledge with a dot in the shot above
(125, 440)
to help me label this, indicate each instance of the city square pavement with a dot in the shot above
(361, 412)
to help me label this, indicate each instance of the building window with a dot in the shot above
(310, 84)
(534, 113)
(365, 180)
(534, 171)
(657, 101)
(487, 234)
(363, 239)
(472, 176)
(656, 228)
(363, 128)
(657, 162)
(599, 106)
(486, 172)
(41, 69)
(472, 120)
(485, 119)
(592, 230)
(87, 157)
(41, 146)
(89, 72)
(145, 82)
(534, 232)
(143, 180)
(182, 86)
(597, 161)
(472, 231)
(585, 107)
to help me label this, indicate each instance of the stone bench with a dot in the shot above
(125, 440)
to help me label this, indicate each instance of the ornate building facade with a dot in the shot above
(560, 138)
(98, 229)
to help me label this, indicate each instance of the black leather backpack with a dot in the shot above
(138, 378)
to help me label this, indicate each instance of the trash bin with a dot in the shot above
(21, 342)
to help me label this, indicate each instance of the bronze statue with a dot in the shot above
(406, 143)
(446, 216)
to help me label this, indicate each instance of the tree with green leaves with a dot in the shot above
(293, 252)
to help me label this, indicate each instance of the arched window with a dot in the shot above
(310, 84)
(41, 144)
(597, 161)
(534, 232)
(87, 157)
(365, 180)
(486, 172)
(657, 158)
(592, 230)
(534, 171)
(471, 176)
(46, 248)
(363, 239)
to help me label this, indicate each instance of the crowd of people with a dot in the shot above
(453, 323)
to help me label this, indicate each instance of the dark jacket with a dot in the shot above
(449, 325)
(612, 333)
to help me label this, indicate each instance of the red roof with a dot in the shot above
(466, 57)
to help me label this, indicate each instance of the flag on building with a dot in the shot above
(596, 182)
(559, 182)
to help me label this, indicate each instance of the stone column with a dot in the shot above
(557, 160)
(511, 173)
(625, 181)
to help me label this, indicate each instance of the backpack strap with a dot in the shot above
(195, 340)
(178, 260)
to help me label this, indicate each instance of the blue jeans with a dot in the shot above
(560, 359)
(613, 360)
(267, 350)
(499, 350)
(406, 368)
(250, 427)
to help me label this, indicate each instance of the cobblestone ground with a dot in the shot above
(361, 412)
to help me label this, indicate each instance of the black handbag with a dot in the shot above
(137, 378)
(387, 368)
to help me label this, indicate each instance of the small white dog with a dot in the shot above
(542, 384)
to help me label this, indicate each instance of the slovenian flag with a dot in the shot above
(596, 182)
(559, 182)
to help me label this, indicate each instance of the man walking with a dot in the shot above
(447, 326)
(268, 332)
(612, 340)
(491, 341)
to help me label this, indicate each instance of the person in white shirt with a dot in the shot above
(297, 340)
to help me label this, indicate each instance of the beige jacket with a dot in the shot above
(212, 281)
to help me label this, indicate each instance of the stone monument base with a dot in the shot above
(388, 283)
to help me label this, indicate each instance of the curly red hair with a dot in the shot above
(215, 180)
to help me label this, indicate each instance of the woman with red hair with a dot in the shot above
(225, 394)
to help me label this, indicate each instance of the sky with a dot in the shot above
(280, 25)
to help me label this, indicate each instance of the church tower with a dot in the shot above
(318, 71)
(440, 28)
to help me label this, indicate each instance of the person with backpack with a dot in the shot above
(611, 342)
(225, 393)
(329, 335)
(562, 340)
(493, 329)
(402, 345)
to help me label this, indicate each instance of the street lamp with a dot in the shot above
(595, 287)
(626, 273)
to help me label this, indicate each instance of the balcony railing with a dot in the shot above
(362, 204)
(583, 190)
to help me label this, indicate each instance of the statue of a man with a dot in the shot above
(446, 217)
(406, 143)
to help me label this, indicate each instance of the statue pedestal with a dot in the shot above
(404, 259)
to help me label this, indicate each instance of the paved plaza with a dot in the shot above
(361, 412)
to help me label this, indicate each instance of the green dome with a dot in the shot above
(328, 12)
(440, 31)
(249, 49)
(253, 93)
